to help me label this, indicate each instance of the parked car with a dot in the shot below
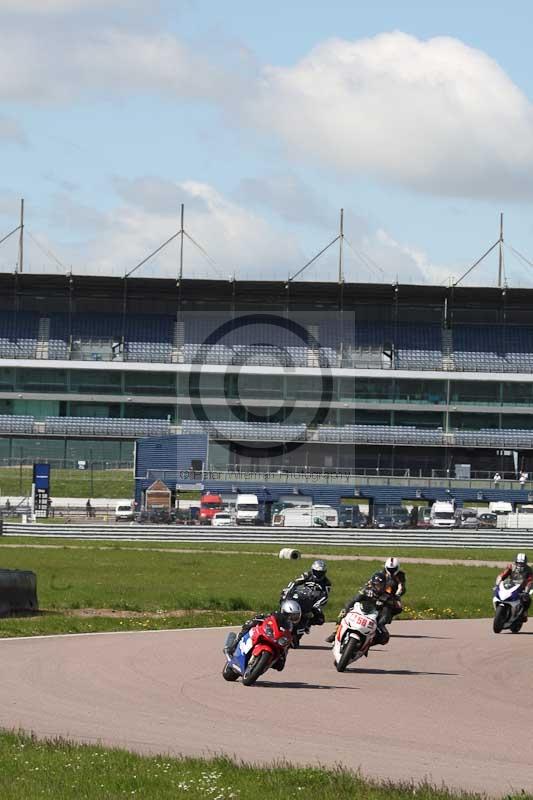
(124, 511)
(469, 521)
(488, 520)
(222, 519)
(351, 517)
(383, 521)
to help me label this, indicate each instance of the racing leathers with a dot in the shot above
(309, 579)
(523, 574)
(396, 588)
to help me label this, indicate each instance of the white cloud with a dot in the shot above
(436, 115)
(235, 239)
(67, 65)
(64, 6)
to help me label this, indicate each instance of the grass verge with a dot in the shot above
(312, 551)
(62, 770)
(57, 623)
(151, 581)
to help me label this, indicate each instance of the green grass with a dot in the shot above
(116, 483)
(146, 580)
(468, 554)
(60, 770)
(51, 623)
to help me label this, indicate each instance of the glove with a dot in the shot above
(342, 614)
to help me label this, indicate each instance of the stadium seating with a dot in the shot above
(18, 334)
(159, 338)
(102, 426)
(15, 423)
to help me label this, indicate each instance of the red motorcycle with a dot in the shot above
(259, 649)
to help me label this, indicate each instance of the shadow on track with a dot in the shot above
(399, 672)
(416, 636)
(302, 685)
(314, 647)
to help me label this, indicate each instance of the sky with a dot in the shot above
(264, 120)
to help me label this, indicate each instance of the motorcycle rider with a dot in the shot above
(520, 572)
(316, 577)
(288, 615)
(372, 595)
(396, 586)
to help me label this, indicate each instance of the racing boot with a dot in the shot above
(331, 638)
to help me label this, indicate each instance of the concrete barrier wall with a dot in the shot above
(18, 591)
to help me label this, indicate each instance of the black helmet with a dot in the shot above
(319, 568)
(378, 581)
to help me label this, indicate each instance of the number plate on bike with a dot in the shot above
(355, 620)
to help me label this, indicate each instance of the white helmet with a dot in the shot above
(392, 565)
(521, 559)
(292, 610)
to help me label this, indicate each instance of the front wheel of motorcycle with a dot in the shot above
(228, 673)
(500, 617)
(256, 667)
(350, 648)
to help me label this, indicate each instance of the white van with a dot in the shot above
(306, 517)
(327, 514)
(123, 510)
(501, 507)
(442, 515)
(248, 511)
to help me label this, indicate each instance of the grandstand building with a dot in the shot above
(280, 375)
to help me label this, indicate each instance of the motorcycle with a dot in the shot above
(259, 649)
(355, 634)
(311, 599)
(508, 607)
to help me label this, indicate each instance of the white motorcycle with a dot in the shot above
(355, 635)
(508, 606)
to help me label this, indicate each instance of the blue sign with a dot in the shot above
(41, 476)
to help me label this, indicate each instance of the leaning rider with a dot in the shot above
(520, 572)
(373, 595)
(289, 614)
(316, 577)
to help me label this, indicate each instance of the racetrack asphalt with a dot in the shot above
(447, 701)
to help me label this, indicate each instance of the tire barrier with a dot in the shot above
(18, 591)
(288, 552)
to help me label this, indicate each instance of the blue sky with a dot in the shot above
(264, 120)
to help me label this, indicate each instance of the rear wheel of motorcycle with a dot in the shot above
(499, 619)
(229, 674)
(517, 624)
(347, 655)
(258, 665)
